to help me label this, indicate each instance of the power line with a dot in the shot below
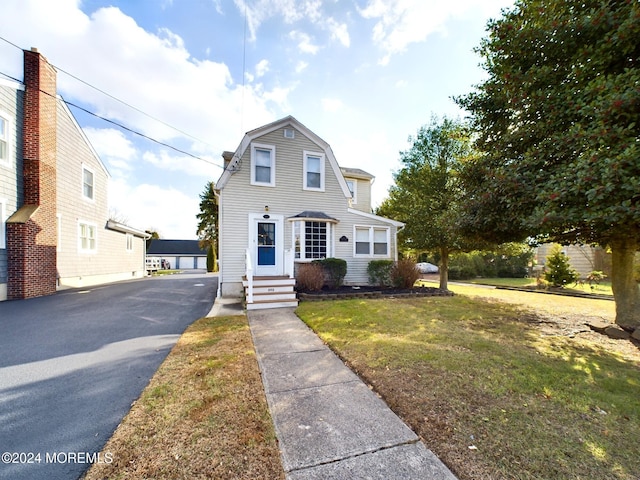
(123, 103)
(137, 133)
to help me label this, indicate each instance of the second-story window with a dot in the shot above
(313, 171)
(353, 188)
(263, 165)
(4, 139)
(88, 185)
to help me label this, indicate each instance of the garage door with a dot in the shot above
(185, 263)
(171, 260)
(202, 263)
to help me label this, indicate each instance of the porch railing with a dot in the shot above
(249, 275)
(288, 262)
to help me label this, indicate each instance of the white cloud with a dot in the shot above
(301, 66)
(331, 104)
(339, 32)
(403, 22)
(167, 210)
(289, 11)
(177, 163)
(262, 67)
(305, 44)
(114, 149)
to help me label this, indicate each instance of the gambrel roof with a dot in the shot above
(288, 121)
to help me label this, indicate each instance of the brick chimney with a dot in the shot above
(32, 230)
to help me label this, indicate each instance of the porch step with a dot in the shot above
(271, 292)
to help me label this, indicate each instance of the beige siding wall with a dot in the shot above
(111, 261)
(239, 199)
(581, 257)
(363, 194)
(11, 97)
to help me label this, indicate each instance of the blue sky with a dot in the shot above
(362, 74)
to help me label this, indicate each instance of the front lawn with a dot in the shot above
(203, 415)
(494, 389)
(604, 288)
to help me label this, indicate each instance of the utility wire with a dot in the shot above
(124, 103)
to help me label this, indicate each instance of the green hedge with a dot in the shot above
(335, 270)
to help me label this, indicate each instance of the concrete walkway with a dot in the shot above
(329, 424)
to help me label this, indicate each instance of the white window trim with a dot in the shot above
(93, 172)
(129, 242)
(95, 231)
(3, 223)
(330, 240)
(260, 146)
(354, 197)
(305, 155)
(9, 121)
(371, 253)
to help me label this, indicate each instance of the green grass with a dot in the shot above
(604, 288)
(465, 371)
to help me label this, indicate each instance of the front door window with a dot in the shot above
(266, 243)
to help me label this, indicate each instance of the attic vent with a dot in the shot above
(289, 133)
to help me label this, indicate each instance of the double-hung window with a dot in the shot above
(4, 139)
(263, 165)
(88, 183)
(353, 188)
(313, 171)
(371, 241)
(129, 240)
(311, 240)
(87, 237)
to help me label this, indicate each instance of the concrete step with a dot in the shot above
(270, 281)
(272, 304)
(272, 289)
(265, 296)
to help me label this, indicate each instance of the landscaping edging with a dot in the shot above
(554, 292)
(317, 297)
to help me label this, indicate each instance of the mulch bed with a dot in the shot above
(348, 291)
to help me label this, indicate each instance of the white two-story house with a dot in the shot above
(284, 201)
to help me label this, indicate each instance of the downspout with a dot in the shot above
(395, 240)
(220, 242)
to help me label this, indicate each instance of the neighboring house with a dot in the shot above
(583, 258)
(284, 201)
(181, 254)
(55, 229)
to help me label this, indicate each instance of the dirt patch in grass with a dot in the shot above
(497, 391)
(203, 415)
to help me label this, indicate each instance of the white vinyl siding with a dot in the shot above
(263, 165)
(313, 175)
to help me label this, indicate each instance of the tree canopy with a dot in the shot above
(558, 128)
(208, 222)
(426, 195)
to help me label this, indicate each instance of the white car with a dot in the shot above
(425, 267)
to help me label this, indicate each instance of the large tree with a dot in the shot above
(558, 124)
(426, 194)
(208, 223)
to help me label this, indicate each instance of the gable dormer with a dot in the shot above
(359, 183)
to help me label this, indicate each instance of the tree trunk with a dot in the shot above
(626, 290)
(444, 268)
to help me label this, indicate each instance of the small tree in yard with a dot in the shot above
(558, 271)
(427, 191)
(208, 225)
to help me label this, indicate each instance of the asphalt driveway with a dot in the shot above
(72, 364)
